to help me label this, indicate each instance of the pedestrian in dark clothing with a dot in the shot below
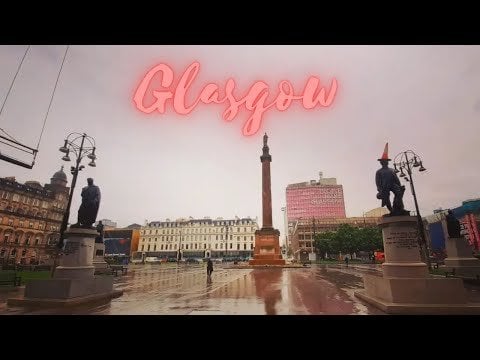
(209, 267)
(346, 260)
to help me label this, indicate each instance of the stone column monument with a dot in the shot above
(406, 286)
(267, 245)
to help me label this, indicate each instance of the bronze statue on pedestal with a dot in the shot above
(387, 181)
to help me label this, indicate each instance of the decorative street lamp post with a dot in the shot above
(226, 239)
(179, 255)
(284, 209)
(313, 255)
(75, 142)
(405, 161)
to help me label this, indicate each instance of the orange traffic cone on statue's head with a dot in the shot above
(385, 154)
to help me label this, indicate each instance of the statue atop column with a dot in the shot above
(387, 181)
(87, 213)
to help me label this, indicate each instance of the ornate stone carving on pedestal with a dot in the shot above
(406, 287)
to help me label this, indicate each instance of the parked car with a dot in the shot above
(153, 260)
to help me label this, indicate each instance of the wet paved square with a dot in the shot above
(168, 289)
(185, 289)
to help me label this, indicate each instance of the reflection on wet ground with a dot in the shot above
(168, 289)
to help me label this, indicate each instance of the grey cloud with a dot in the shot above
(157, 166)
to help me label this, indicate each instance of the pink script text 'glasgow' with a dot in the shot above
(255, 100)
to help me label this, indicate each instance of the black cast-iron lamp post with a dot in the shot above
(405, 162)
(226, 239)
(75, 143)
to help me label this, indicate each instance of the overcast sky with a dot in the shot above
(424, 98)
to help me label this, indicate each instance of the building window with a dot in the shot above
(17, 239)
(5, 239)
(10, 222)
(37, 240)
(24, 251)
(244, 238)
(4, 195)
(148, 249)
(143, 247)
(231, 245)
(251, 246)
(154, 247)
(204, 246)
(238, 229)
(238, 246)
(186, 246)
(216, 246)
(27, 240)
(30, 225)
(244, 246)
(251, 238)
(161, 247)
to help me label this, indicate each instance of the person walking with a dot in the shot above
(209, 267)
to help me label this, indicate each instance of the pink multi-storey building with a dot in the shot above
(315, 199)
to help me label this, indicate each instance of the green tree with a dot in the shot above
(348, 239)
(323, 243)
(372, 239)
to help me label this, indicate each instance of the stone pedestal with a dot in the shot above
(267, 248)
(77, 259)
(406, 287)
(99, 262)
(460, 258)
(74, 281)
